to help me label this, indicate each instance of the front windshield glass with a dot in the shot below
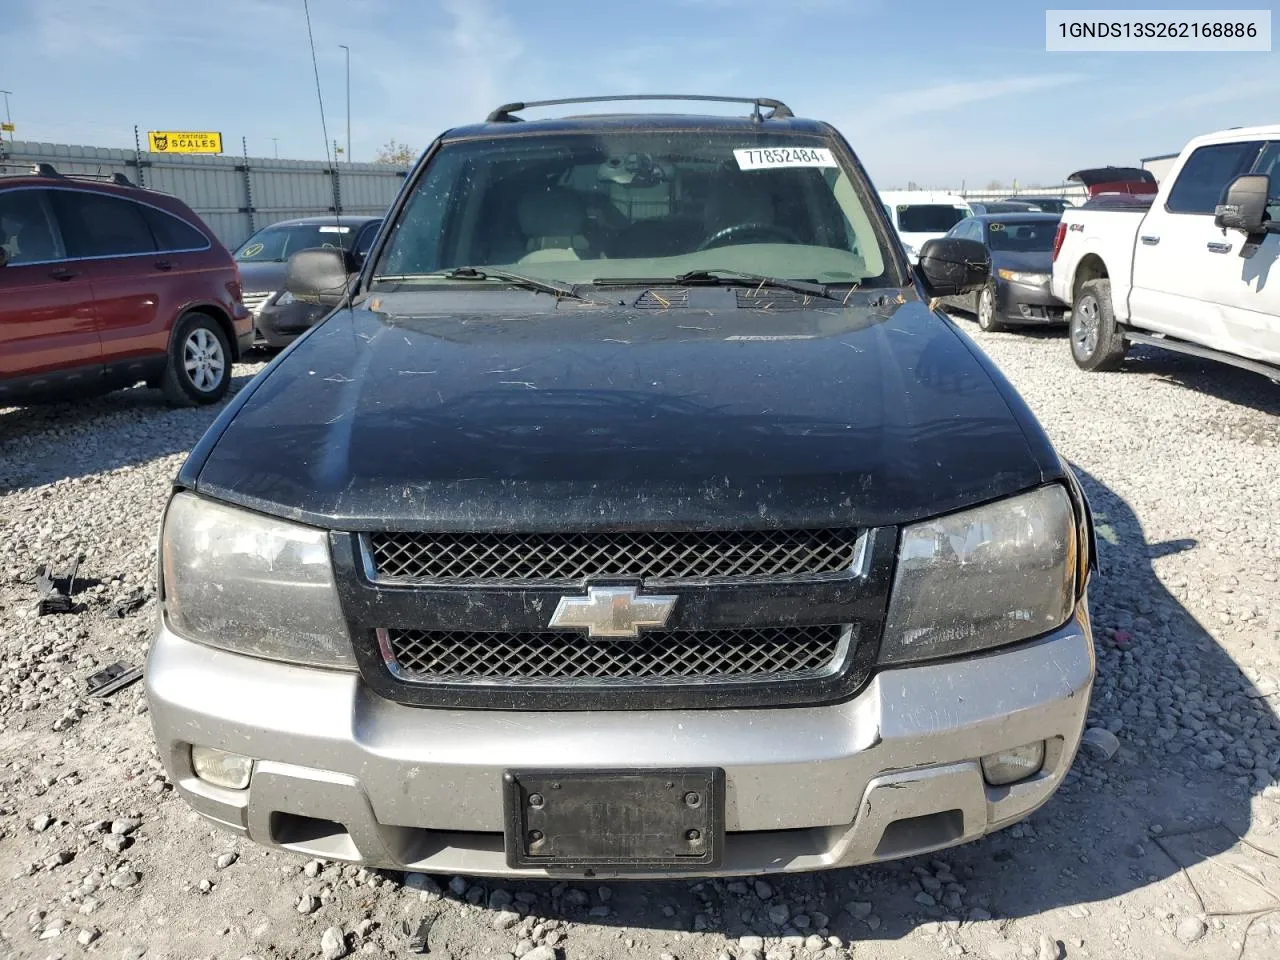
(626, 204)
(278, 243)
(929, 217)
(1024, 236)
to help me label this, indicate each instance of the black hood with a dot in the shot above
(533, 416)
(262, 277)
(1028, 261)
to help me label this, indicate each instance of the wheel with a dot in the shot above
(987, 318)
(1096, 343)
(199, 366)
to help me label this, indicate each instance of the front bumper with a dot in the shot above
(1024, 304)
(344, 774)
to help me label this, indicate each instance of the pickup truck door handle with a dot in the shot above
(164, 265)
(1219, 247)
(1150, 241)
(62, 273)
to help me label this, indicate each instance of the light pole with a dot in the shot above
(348, 49)
(275, 145)
(8, 119)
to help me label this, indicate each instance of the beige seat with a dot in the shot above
(553, 221)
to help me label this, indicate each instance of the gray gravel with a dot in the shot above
(1180, 459)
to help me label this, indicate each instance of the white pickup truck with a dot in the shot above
(1188, 269)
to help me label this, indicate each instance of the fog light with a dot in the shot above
(222, 769)
(1010, 766)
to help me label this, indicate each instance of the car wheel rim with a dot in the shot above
(985, 308)
(1084, 331)
(203, 359)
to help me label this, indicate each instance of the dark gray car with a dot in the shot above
(263, 260)
(1021, 248)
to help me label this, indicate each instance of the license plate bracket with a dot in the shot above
(635, 819)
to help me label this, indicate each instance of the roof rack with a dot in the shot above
(778, 109)
(41, 169)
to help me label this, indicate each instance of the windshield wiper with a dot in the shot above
(734, 277)
(518, 279)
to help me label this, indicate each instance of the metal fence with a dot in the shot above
(234, 195)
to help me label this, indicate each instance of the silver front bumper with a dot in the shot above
(344, 774)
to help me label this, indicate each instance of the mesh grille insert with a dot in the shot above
(671, 657)
(409, 557)
(754, 298)
(663, 298)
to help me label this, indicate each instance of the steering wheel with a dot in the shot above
(720, 237)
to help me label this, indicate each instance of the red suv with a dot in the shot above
(103, 284)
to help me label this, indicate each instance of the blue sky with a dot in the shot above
(932, 91)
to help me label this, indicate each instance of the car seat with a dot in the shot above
(553, 221)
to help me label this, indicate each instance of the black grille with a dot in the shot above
(670, 657)
(755, 298)
(663, 299)
(568, 557)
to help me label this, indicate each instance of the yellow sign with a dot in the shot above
(184, 141)
(8, 127)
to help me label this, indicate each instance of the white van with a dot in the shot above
(920, 215)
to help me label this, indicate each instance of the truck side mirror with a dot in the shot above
(952, 265)
(319, 275)
(1244, 207)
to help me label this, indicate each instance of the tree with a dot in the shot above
(995, 185)
(399, 154)
(912, 185)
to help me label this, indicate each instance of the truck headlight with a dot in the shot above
(981, 578)
(1019, 276)
(251, 584)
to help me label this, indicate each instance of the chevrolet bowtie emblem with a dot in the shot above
(613, 612)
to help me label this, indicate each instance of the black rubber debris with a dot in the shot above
(110, 679)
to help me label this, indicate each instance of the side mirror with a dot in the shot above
(952, 265)
(1245, 205)
(320, 275)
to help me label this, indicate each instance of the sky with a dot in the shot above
(935, 92)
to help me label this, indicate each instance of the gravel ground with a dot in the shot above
(1152, 852)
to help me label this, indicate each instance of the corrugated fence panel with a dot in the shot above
(233, 195)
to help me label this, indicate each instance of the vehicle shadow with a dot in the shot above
(1240, 387)
(1194, 739)
(47, 442)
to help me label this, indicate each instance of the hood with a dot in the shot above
(1098, 180)
(265, 277)
(1030, 262)
(530, 415)
(916, 239)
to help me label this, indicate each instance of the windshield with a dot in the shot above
(614, 205)
(281, 242)
(1025, 236)
(929, 217)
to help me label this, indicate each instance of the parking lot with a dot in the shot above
(1179, 458)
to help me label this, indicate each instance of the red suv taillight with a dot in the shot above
(1059, 235)
(236, 286)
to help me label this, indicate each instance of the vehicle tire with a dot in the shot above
(199, 365)
(988, 319)
(1096, 342)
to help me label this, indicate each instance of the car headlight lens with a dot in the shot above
(251, 584)
(982, 578)
(1019, 276)
(284, 299)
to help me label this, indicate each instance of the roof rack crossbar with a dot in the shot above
(45, 169)
(778, 109)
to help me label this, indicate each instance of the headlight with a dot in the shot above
(284, 299)
(1017, 276)
(982, 578)
(251, 584)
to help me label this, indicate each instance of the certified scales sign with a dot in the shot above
(184, 141)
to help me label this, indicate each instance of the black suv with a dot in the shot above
(632, 484)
